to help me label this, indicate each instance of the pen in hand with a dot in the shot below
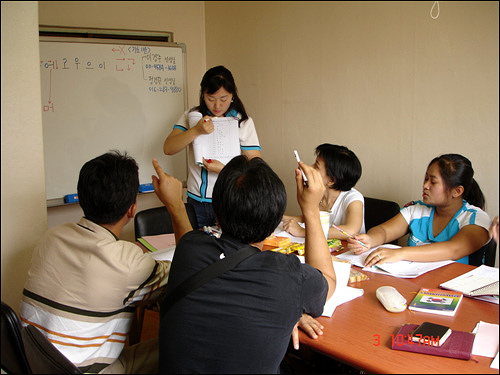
(348, 235)
(303, 174)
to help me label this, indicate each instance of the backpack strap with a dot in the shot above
(203, 276)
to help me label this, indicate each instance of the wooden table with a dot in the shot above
(359, 332)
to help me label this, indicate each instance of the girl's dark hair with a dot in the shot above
(457, 170)
(213, 80)
(249, 199)
(342, 165)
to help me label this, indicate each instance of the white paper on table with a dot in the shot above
(486, 340)
(342, 293)
(401, 269)
(164, 254)
(494, 363)
(280, 232)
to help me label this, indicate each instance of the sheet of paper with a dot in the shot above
(342, 293)
(164, 245)
(401, 269)
(280, 232)
(161, 241)
(494, 363)
(164, 254)
(222, 144)
(486, 341)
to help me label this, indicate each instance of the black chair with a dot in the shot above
(485, 255)
(14, 359)
(43, 357)
(378, 211)
(157, 220)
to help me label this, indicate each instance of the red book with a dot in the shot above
(458, 345)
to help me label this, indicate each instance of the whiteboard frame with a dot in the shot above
(110, 36)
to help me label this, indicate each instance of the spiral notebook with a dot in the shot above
(481, 281)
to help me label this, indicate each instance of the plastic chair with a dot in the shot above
(43, 357)
(14, 359)
(485, 255)
(157, 220)
(378, 211)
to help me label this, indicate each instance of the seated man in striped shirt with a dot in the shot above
(83, 280)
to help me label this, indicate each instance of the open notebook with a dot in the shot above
(481, 281)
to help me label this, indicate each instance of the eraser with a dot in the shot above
(144, 188)
(71, 198)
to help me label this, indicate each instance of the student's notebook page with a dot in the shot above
(402, 269)
(222, 144)
(480, 281)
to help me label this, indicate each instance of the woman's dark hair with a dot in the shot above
(342, 165)
(456, 170)
(108, 186)
(249, 199)
(213, 80)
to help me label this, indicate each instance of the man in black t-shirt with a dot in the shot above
(241, 321)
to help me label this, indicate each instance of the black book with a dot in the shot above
(431, 334)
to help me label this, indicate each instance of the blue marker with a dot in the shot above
(71, 198)
(144, 188)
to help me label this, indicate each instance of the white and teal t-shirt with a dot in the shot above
(200, 182)
(420, 216)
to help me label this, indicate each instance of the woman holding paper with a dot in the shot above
(218, 98)
(447, 224)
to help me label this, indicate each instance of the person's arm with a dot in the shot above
(317, 253)
(353, 221)
(252, 154)
(494, 229)
(291, 225)
(387, 232)
(178, 139)
(469, 239)
(169, 191)
(309, 325)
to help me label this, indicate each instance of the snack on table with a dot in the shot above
(273, 240)
(292, 247)
(334, 245)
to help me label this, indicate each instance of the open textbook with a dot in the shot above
(481, 283)
(222, 144)
(402, 269)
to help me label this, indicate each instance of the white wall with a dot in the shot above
(382, 78)
(24, 217)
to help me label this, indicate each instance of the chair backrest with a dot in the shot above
(485, 255)
(157, 220)
(43, 357)
(378, 211)
(14, 359)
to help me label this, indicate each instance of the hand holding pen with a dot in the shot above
(309, 196)
(303, 174)
(349, 235)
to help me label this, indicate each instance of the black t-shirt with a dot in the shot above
(240, 322)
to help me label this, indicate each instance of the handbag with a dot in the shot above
(203, 276)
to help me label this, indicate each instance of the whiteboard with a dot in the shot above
(103, 95)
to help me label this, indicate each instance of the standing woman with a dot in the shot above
(218, 98)
(447, 224)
